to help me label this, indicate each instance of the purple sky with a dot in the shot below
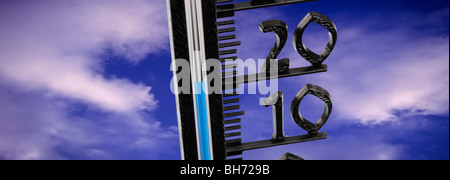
(91, 80)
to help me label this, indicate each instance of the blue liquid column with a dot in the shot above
(196, 44)
(203, 125)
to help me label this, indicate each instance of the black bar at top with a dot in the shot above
(254, 4)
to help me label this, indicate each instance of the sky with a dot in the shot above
(91, 80)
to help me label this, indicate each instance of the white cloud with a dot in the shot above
(41, 127)
(378, 68)
(26, 125)
(379, 76)
(51, 66)
(344, 147)
(55, 45)
(380, 71)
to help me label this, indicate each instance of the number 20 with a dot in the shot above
(280, 29)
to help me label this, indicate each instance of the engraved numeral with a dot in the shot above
(280, 29)
(322, 94)
(315, 59)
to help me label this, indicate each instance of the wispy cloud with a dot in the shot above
(38, 127)
(55, 46)
(378, 67)
(56, 100)
(388, 68)
(339, 147)
(403, 67)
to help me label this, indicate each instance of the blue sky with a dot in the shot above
(91, 80)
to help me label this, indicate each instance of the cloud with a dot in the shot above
(58, 102)
(379, 75)
(378, 68)
(39, 127)
(414, 137)
(344, 147)
(56, 46)
(389, 69)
